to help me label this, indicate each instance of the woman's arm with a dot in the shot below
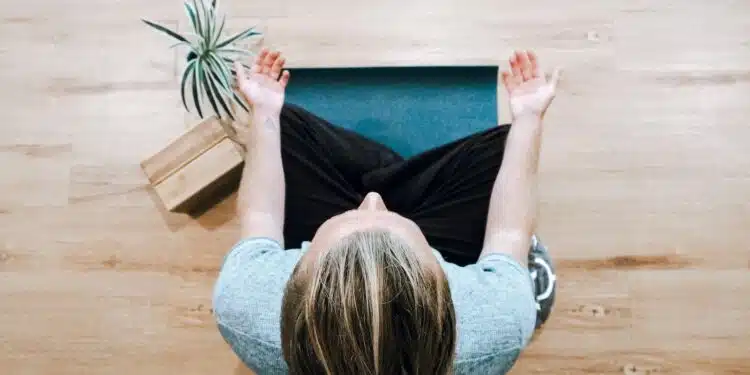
(511, 220)
(262, 189)
(513, 203)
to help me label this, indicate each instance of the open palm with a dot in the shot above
(264, 85)
(530, 91)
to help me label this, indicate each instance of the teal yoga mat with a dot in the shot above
(410, 109)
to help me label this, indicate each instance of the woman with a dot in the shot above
(414, 266)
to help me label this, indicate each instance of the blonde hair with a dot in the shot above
(368, 306)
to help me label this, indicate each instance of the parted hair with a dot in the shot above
(369, 306)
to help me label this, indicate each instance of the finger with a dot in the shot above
(277, 66)
(514, 65)
(284, 80)
(261, 55)
(555, 78)
(510, 81)
(505, 76)
(534, 65)
(523, 60)
(268, 62)
(258, 63)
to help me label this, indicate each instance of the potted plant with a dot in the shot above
(209, 72)
(198, 159)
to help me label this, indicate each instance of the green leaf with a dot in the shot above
(179, 44)
(218, 33)
(209, 92)
(196, 82)
(223, 75)
(220, 95)
(193, 16)
(235, 50)
(240, 101)
(231, 62)
(208, 25)
(185, 77)
(212, 12)
(200, 28)
(165, 30)
(197, 44)
(225, 67)
(237, 37)
(222, 72)
(198, 19)
(233, 72)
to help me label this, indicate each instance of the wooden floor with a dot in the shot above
(645, 176)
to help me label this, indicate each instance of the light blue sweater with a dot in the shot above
(493, 300)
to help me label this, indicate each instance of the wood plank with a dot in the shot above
(108, 184)
(258, 9)
(593, 311)
(123, 238)
(691, 321)
(666, 177)
(664, 35)
(152, 63)
(439, 40)
(34, 175)
(129, 321)
(68, 13)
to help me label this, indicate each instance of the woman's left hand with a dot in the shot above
(531, 92)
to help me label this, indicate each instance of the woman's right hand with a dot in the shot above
(264, 85)
(530, 91)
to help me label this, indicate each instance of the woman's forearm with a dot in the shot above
(262, 189)
(512, 213)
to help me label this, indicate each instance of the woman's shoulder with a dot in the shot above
(495, 312)
(247, 301)
(248, 291)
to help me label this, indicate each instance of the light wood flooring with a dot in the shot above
(645, 176)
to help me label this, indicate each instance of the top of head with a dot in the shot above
(368, 304)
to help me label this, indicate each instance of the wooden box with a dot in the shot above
(193, 165)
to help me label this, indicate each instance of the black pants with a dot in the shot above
(445, 191)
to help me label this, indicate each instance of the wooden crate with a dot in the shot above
(192, 165)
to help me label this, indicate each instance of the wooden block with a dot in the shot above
(192, 164)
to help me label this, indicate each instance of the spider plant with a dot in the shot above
(208, 73)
